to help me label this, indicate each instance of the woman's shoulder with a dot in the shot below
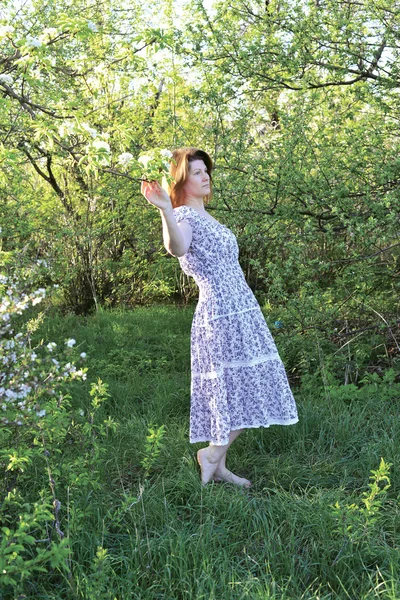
(181, 208)
(184, 212)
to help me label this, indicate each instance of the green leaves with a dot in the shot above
(153, 447)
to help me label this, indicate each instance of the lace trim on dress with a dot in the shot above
(237, 363)
(236, 312)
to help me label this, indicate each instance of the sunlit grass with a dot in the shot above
(168, 537)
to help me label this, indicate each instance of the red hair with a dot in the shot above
(179, 170)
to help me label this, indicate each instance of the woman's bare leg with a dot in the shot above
(223, 474)
(212, 463)
(232, 436)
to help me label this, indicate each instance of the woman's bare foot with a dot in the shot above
(229, 477)
(207, 468)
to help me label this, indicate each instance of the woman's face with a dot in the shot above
(197, 184)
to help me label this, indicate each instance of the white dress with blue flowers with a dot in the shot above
(237, 377)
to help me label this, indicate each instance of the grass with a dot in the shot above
(166, 537)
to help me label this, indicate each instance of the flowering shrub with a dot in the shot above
(36, 419)
(28, 377)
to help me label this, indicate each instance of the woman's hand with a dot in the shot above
(155, 194)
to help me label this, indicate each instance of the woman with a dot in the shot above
(237, 377)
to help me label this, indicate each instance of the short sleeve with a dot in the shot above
(183, 213)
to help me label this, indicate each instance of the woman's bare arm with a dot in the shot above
(177, 236)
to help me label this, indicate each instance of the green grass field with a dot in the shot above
(311, 527)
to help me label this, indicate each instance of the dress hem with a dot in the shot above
(195, 440)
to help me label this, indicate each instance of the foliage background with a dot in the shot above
(298, 105)
(296, 102)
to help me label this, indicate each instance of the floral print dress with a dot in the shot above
(237, 377)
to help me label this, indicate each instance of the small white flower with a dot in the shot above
(66, 128)
(4, 29)
(33, 356)
(83, 355)
(70, 343)
(166, 153)
(81, 412)
(3, 278)
(80, 374)
(22, 306)
(92, 26)
(33, 42)
(125, 158)
(51, 346)
(100, 144)
(56, 285)
(37, 300)
(51, 32)
(40, 413)
(145, 159)
(6, 78)
(55, 362)
(93, 132)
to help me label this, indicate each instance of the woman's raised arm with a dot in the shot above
(177, 236)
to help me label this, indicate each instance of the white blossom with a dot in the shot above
(66, 128)
(125, 158)
(32, 42)
(83, 355)
(166, 153)
(6, 78)
(40, 413)
(80, 373)
(4, 29)
(92, 26)
(93, 132)
(51, 346)
(70, 343)
(100, 144)
(50, 32)
(145, 159)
